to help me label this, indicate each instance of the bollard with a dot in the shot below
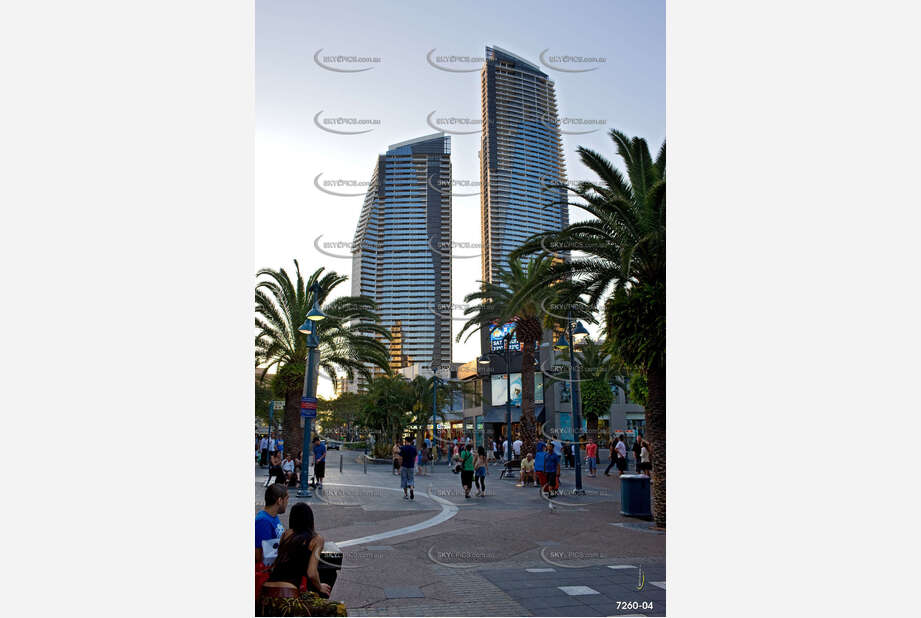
(364, 460)
(340, 462)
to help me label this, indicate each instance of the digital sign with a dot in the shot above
(497, 338)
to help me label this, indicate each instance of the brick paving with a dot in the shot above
(474, 562)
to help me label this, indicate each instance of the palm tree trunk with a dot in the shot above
(528, 425)
(294, 435)
(655, 433)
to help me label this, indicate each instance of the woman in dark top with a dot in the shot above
(298, 557)
(275, 470)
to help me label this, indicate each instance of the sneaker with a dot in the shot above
(405, 497)
(412, 495)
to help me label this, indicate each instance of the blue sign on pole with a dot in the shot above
(309, 407)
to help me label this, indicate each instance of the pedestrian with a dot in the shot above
(637, 450)
(516, 447)
(495, 451)
(467, 468)
(645, 466)
(264, 448)
(280, 446)
(319, 461)
(612, 455)
(273, 444)
(527, 470)
(591, 456)
(621, 449)
(275, 470)
(551, 471)
(268, 524)
(407, 470)
(396, 459)
(298, 560)
(481, 468)
(539, 464)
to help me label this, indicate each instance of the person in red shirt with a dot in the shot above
(591, 456)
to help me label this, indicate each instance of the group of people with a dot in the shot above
(642, 453)
(287, 561)
(285, 468)
(266, 446)
(542, 469)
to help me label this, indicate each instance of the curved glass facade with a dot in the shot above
(401, 254)
(521, 151)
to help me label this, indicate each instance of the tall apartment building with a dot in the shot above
(401, 254)
(521, 152)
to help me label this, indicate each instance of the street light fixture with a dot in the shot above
(310, 327)
(484, 360)
(576, 335)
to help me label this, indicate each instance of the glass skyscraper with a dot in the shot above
(401, 254)
(521, 152)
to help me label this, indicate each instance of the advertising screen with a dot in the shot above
(497, 338)
(499, 389)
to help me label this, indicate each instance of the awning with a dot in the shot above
(497, 415)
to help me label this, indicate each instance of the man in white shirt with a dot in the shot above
(516, 445)
(288, 468)
(621, 449)
(273, 445)
(505, 451)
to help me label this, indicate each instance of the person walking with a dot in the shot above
(275, 470)
(482, 467)
(319, 461)
(407, 470)
(273, 444)
(645, 465)
(467, 468)
(637, 448)
(516, 448)
(612, 455)
(621, 448)
(591, 456)
(495, 451)
(396, 459)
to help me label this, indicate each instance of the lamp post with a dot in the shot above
(562, 344)
(435, 382)
(484, 360)
(310, 328)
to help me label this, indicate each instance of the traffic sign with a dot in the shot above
(309, 407)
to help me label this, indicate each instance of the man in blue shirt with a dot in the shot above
(539, 464)
(407, 470)
(268, 524)
(551, 471)
(319, 461)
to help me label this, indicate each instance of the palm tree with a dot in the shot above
(623, 267)
(514, 298)
(421, 412)
(597, 373)
(386, 409)
(281, 306)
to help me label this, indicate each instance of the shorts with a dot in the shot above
(467, 477)
(319, 469)
(481, 471)
(621, 463)
(591, 463)
(551, 479)
(541, 477)
(407, 478)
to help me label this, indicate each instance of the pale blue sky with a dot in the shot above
(627, 91)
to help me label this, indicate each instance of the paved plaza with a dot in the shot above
(511, 553)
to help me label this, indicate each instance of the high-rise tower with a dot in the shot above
(521, 152)
(401, 255)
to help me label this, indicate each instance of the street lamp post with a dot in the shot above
(562, 344)
(310, 327)
(435, 381)
(484, 360)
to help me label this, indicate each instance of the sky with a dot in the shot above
(299, 105)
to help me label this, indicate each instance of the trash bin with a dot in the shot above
(634, 495)
(330, 563)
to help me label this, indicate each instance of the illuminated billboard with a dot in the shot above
(497, 338)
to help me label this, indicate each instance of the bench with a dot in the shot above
(511, 469)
